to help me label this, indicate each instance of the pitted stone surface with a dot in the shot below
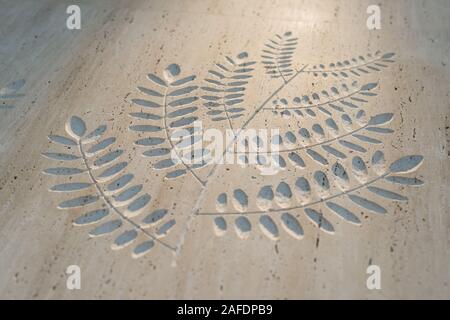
(87, 125)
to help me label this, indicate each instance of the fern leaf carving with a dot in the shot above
(351, 135)
(103, 189)
(279, 205)
(170, 124)
(225, 87)
(338, 131)
(333, 122)
(9, 93)
(277, 55)
(325, 102)
(356, 66)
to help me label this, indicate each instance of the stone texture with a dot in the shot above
(93, 73)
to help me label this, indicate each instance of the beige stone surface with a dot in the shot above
(93, 74)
